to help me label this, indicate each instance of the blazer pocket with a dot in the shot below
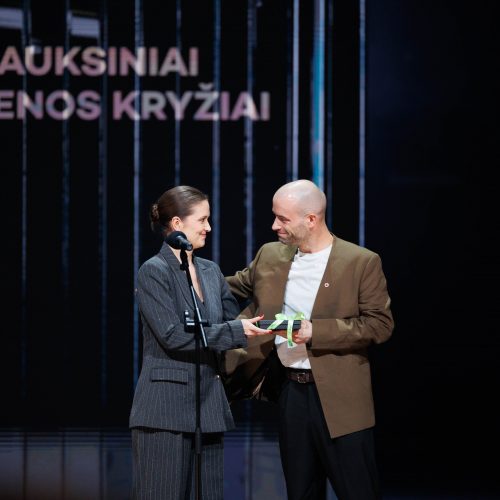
(169, 375)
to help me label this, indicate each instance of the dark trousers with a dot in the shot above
(309, 455)
(164, 465)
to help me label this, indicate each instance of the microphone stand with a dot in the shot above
(196, 326)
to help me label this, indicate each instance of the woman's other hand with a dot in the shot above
(251, 330)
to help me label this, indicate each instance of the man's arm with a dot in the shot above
(373, 325)
(242, 367)
(230, 306)
(241, 284)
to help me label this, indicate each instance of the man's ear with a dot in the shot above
(311, 219)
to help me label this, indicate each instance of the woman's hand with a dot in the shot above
(251, 330)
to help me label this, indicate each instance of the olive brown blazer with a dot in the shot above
(351, 312)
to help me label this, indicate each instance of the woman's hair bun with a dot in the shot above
(154, 214)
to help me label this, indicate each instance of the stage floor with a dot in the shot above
(74, 464)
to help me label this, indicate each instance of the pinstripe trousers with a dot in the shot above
(164, 465)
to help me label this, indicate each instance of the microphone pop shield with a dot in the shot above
(178, 240)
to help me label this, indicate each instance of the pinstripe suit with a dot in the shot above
(163, 410)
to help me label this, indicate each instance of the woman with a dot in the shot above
(163, 412)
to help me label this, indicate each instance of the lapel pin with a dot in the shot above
(327, 285)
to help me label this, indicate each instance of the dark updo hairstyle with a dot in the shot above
(178, 201)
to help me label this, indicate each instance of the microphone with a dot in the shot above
(178, 240)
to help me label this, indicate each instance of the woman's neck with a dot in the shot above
(177, 253)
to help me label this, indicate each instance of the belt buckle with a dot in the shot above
(302, 378)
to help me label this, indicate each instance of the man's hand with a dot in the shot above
(301, 336)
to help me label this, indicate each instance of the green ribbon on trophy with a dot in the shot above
(289, 327)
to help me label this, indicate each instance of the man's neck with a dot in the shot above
(316, 243)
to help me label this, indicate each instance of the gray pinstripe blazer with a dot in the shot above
(165, 393)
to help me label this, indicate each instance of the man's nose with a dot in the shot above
(275, 225)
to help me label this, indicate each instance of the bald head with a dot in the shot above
(305, 195)
(299, 216)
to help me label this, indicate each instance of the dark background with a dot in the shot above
(431, 211)
(75, 197)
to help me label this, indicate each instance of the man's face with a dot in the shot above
(290, 223)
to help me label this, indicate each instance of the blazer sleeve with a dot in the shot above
(374, 323)
(230, 306)
(241, 284)
(161, 313)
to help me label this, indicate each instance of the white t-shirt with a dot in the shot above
(301, 289)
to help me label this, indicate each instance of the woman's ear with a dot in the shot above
(176, 223)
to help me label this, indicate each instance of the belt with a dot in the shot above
(300, 376)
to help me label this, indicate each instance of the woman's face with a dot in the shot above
(195, 226)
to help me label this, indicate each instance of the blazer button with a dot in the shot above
(217, 376)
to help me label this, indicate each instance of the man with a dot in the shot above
(326, 403)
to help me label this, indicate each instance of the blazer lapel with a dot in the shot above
(206, 289)
(327, 281)
(178, 274)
